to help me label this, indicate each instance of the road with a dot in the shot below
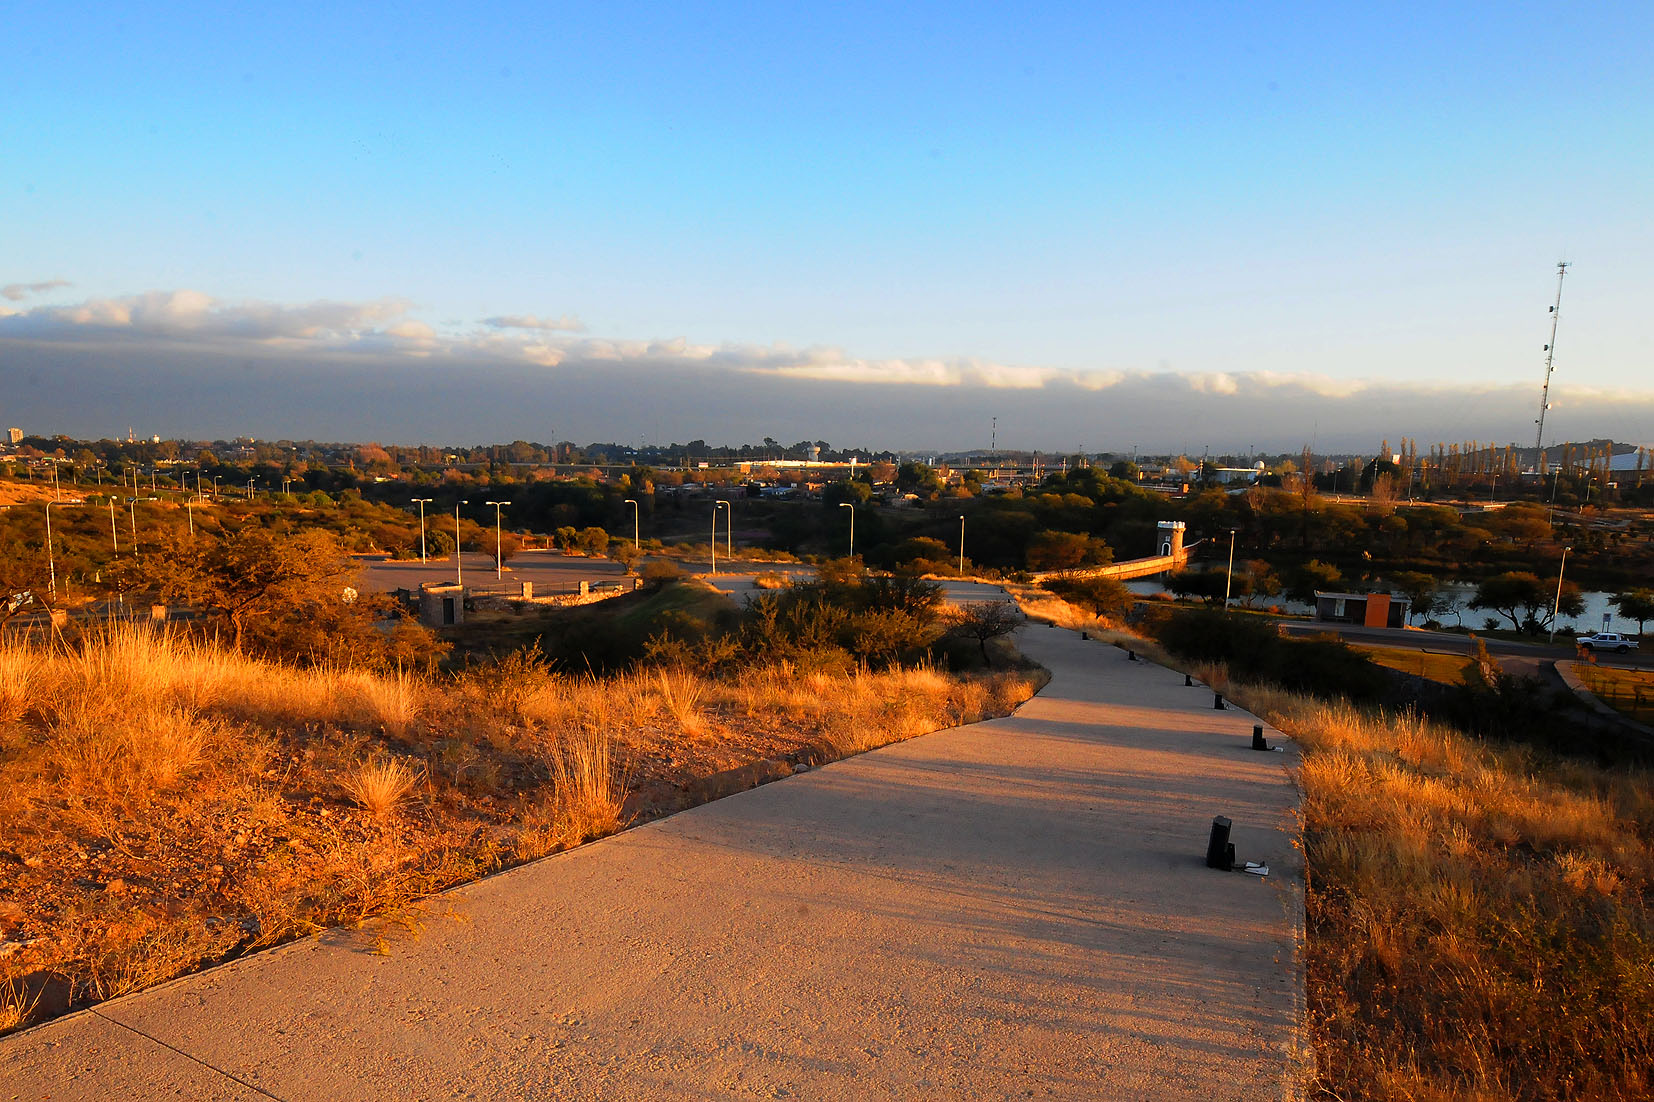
(1013, 908)
(1521, 654)
(550, 571)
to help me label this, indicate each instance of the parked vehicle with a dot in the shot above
(1606, 640)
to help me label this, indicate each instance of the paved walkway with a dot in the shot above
(1015, 908)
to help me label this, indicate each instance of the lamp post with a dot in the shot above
(1556, 607)
(132, 510)
(729, 528)
(499, 559)
(714, 539)
(51, 561)
(636, 542)
(961, 545)
(422, 502)
(852, 508)
(189, 510)
(1229, 577)
(459, 565)
(114, 538)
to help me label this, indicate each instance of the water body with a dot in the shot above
(1596, 607)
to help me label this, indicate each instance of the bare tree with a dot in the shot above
(985, 620)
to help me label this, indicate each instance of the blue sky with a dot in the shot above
(1232, 189)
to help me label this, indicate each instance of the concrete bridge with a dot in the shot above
(1173, 556)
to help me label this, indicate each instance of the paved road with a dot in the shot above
(1446, 642)
(549, 571)
(1017, 907)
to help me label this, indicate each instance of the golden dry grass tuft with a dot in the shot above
(379, 786)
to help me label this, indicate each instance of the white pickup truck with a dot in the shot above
(1606, 640)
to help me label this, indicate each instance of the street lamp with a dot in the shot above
(961, 545)
(1556, 608)
(422, 502)
(459, 566)
(715, 538)
(189, 510)
(499, 560)
(636, 543)
(51, 562)
(729, 527)
(132, 509)
(1230, 576)
(852, 508)
(114, 539)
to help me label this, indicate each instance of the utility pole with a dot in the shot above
(1550, 358)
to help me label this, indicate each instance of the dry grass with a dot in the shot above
(172, 803)
(1478, 918)
(1043, 605)
(379, 786)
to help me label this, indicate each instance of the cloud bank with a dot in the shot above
(185, 363)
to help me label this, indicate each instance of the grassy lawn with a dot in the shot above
(1444, 668)
(1630, 692)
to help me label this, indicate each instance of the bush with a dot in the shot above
(1254, 651)
(659, 572)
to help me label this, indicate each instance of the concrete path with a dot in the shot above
(1015, 908)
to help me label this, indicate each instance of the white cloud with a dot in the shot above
(568, 323)
(686, 380)
(17, 292)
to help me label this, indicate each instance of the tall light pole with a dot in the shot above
(636, 542)
(459, 565)
(114, 538)
(1230, 575)
(729, 527)
(852, 508)
(51, 561)
(132, 510)
(961, 545)
(422, 502)
(715, 539)
(499, 559)
(1556, 607)
(189, 510)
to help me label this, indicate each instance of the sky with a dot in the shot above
(1226, 225)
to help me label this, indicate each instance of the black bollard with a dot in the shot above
(1085, 635)
(1217, 702)
(1219, 853)
(1131, 656)
(1258, 741)
(1187, 680)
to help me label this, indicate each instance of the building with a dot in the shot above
(1373, 610)
(14, 436)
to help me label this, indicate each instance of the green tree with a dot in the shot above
(246, 577)
(1052, 550)
(1636, 604)
(1526, 600)
(1311, 577)
(1418, 588)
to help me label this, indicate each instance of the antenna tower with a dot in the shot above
(1550, 358)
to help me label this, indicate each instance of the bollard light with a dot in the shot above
(1258, 741)
(1217, 702)
(1187, 680)
(1131, 656)
(1220, 854)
